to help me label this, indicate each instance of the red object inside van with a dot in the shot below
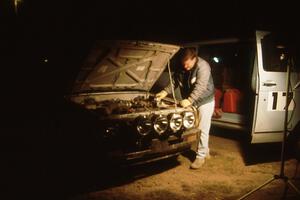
(232, 101)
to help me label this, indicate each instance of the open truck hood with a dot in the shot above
(123, 65)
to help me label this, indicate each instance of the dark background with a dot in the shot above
(62, 31)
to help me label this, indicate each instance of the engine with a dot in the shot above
(119, 106)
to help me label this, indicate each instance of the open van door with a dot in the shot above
(269, 85)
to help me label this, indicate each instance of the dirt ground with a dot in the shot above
(229, 174)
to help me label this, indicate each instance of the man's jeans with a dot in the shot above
(205, 114)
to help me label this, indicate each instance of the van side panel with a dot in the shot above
(269, 112)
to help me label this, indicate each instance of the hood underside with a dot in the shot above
(123, 65)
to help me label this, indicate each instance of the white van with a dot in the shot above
(250, 77)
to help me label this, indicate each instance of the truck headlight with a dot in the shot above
(143, 125)
(160, 124)
(176, 121)
(188, 119)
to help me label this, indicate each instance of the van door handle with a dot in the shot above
(269, 84)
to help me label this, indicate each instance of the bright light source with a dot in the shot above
(45, 60)
(216, 59)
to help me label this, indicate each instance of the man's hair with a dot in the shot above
(188, 53)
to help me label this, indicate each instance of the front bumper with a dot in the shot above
(157, 151)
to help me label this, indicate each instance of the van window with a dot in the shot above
(275, 53)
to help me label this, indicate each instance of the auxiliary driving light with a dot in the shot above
(188, 119)
(160, 124)
(143, 125)
(176, 121)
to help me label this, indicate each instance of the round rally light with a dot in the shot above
(176, 122)
(143, 125)
(160, 124)
(188, 120)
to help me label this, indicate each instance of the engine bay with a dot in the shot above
(120, 106)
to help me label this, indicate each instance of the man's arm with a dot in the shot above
(202, 80)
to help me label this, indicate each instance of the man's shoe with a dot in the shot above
(198, 162)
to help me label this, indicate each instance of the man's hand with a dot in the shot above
(185, 103)
(162, 94)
